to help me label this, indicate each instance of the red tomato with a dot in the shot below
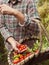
(21, 56)
(25, 56)
(20, 49)
(16, 61)
(22, 46)
(21, 59)
(18, 46)
(28, 54)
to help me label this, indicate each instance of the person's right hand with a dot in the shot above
(13, 43)
(14, 46)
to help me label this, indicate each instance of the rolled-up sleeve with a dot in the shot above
(3, 28)
(31, 12)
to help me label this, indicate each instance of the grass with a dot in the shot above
(44, 63)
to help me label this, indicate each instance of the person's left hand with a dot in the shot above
(5, 9)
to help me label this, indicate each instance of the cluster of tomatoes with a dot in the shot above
(22, 47)
(18, 57)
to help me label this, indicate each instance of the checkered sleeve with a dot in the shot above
(3, 28)
(32, 12)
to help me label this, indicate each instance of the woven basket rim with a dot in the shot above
(9, 60)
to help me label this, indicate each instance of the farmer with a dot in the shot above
(16, 18)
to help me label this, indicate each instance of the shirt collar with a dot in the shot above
(9, 0)
(18, 0)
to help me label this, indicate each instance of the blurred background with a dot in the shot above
(43, 9)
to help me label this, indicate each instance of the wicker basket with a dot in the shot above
(30, 41)
(20, 63)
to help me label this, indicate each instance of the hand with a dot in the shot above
(5, 9)
(14, 45)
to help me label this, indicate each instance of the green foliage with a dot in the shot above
(36, 46)
(43, 9)
(45, 43)
(3, 55)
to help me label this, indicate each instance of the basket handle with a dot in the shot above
(41, 27)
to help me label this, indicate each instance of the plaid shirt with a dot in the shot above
(9, 25)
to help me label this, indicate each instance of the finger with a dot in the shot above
(17, 43)
(0, 6)
(1, 11)
(15, 48)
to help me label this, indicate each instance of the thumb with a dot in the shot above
(15, 48)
